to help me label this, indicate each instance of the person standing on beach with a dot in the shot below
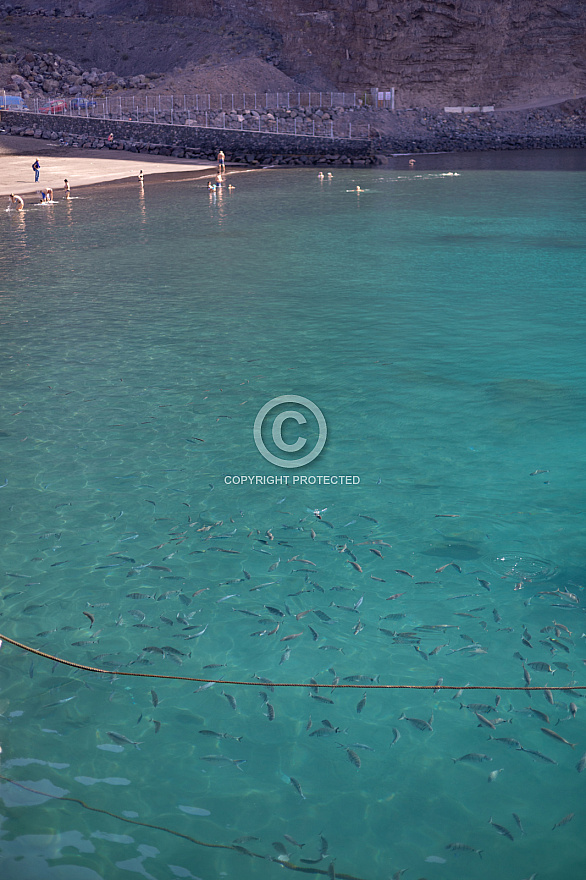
(36, 169)
(67, 189)
(221, 162)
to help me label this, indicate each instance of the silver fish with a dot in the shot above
(120, 739)
(419, 723)
(297, 787)
(324, 731)
(222, 759)
(564, 821)
(220, 735)
(358, 679)
(463, 847)
(353, 757)
(540, 666)
(204, 687)
(557, 737)
(501, 829)
(293, 841)
(507, 741)
(539, 755)
(231, 700)
(473, 757)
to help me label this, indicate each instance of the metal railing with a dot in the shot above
(189, 110)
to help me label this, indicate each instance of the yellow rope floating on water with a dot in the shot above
(293, 684)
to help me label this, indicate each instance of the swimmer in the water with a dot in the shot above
(321, 175)
(330, 175)
(211, 185)
(67, 189)
(219, 179)
(16, 200)
(411, 163)
(359, 189)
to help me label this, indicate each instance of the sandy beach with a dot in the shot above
(80, 167)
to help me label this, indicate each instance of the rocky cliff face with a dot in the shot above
(452, 51)
(434, 52)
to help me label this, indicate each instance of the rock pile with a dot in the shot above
(294, 120)
(305, 116)
(54, 12)
(41, 74)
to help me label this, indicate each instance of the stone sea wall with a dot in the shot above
(557, 127)
(190, 142)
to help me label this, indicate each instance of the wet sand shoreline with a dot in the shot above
(81, 167)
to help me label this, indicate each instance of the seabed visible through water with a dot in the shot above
(436, 319)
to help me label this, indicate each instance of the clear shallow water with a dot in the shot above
(438, 322)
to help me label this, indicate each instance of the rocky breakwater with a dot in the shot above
(423, 131)
(47, 75)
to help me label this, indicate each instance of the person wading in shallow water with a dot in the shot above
(221, 162)
(16, 200)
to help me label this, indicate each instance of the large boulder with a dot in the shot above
(19, 81)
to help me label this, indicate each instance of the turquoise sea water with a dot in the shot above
(437, 320)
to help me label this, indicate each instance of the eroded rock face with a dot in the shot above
(459, 51)
(434, 52)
